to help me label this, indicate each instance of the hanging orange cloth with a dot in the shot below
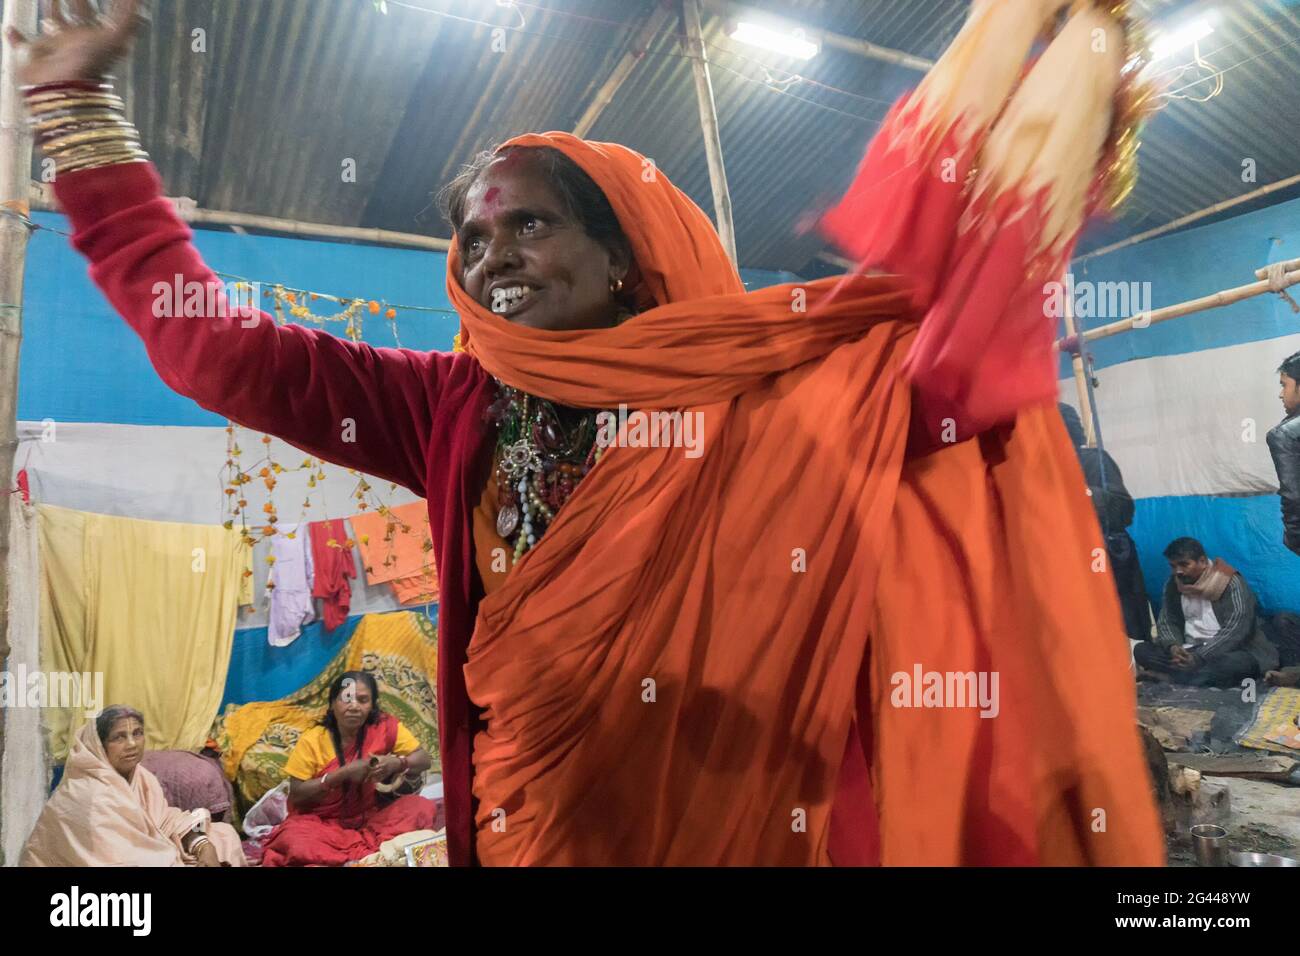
(405, 560)
(669, 676)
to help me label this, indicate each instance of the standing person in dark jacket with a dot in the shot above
(1284, 445)
(1114, 507)
(1208, 634)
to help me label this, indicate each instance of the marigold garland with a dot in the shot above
(293, 303)
(235, 477)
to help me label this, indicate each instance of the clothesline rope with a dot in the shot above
(1277, 282)
(342, 300)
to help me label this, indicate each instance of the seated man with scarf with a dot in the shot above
(1208, 634)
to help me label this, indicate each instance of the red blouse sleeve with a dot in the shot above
(346, 402)
(975, 188)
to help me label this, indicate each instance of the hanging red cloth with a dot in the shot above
(332, 565)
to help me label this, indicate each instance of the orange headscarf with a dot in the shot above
(669, 675)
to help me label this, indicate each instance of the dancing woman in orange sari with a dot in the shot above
(654, 657)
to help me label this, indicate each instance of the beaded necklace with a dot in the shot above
(543, 451)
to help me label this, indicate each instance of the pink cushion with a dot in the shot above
(190, 781)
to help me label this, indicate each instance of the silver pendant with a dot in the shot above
(507, 520)
(520, 458)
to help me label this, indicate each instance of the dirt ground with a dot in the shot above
(1265, 819)
(1265, 815)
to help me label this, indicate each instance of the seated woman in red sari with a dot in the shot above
(336, 812)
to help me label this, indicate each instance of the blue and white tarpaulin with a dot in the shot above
(1184, 405)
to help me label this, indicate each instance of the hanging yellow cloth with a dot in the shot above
(149, 604)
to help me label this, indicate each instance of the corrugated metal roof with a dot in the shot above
(263, 116)
(783, 153)
(1193, 153)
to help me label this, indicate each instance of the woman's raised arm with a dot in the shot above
(975, 189)
(366, 408)
(347, 402)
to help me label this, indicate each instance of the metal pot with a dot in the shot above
(1260, 859)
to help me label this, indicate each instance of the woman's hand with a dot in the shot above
(78, 43)
(355, 772)
(207, 855)
(386, 768)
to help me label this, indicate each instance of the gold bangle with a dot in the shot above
(103, 118)
(106, 143)
(81, 149)
(60, 142)
(138, 156)
(78, 139)
(68, 160)
(38, 104)
(83, 128)
(45, 91)
(40, 110)
(43, 102)
(96, 85)
(99, 159)
(115, 162)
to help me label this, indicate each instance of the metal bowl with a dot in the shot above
(1260, 859)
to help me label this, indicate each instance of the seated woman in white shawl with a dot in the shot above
(110, 811)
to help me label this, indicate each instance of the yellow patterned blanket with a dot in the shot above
(1277, 725)
(399, 648)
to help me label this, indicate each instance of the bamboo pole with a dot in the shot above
(690, 10)
(654, 23)
(874, 51)
(1080, 376)
(1289, 266)
(1218, 299)
(15, 172)
(1190, 218)
(323, 230)
(214, 217)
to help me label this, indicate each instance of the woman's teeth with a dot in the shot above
(506, 300)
